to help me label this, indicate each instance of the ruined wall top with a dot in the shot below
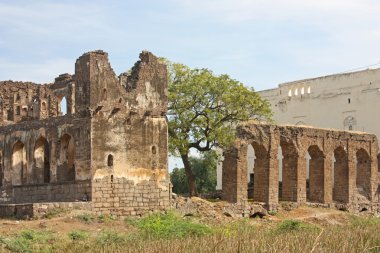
(143, 90)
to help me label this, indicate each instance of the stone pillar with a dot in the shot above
(327, 180)
(272, 189)
(234, 175)
(351, 160)
(301, 177)
(374, 170)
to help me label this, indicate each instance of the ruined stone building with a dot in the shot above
(107, 147)
(342, 170)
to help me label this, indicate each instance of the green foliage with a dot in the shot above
(106, 218)
(86, 217)
(76, 235)
(204, 169)
(205, 107)
(288, 226)
(56, 212)
(363, 222)
(170, 225)
(30, 241)
(111, 239)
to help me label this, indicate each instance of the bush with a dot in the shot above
(30, 241)
(54, 213)
(287, 226)
(170, 225)
(86, 218)
(111, 240)
(78, 235)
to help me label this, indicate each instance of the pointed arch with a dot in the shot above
(18, 164)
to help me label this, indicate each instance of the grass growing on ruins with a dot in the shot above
(170, 232)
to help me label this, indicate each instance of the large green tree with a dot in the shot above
(204, 108)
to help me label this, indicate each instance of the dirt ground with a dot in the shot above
(211, 213)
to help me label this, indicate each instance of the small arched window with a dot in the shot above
(302, 90)
(290, 93)
(308, 90)
(43, 106)
(296, 92)
(110, 160)
(154, 150)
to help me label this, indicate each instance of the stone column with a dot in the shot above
(301, 177)
(234, 175)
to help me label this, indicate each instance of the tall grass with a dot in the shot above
(172, 233)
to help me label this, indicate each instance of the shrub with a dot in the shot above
(170, 225)
(287, 226)
(86, 217)
(111, 240)
(106, 218)
(78, 235)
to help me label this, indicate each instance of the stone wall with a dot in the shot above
(123, 197)
(342, 169)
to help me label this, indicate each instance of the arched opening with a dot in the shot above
(308, 90)
(288, 186)
(154, 150)
(66, 168)
(250, 170)
(110, 160)
(18, 164)
(290, 93)
(363, 174)
(340, 176)
(43, 106)
(296, 92)
(63, 106)
(316, 175)
(41, 170)
(302, 90)
(261, 173)
(104, 94)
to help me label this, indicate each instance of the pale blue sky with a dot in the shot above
(259, 42)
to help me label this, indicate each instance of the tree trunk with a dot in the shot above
(190, 175)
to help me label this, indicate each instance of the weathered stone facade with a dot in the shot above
(342, 170)
(109, 146)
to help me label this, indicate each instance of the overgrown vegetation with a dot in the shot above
(204, 168)
(169, 225)
(173, 233)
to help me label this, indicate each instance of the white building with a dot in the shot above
(349, 101)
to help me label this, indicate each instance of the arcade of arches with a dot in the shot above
(301, 164)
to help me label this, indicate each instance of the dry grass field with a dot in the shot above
(303, 229)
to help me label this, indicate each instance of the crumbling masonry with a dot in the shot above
(342, 170)
(107, 147)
